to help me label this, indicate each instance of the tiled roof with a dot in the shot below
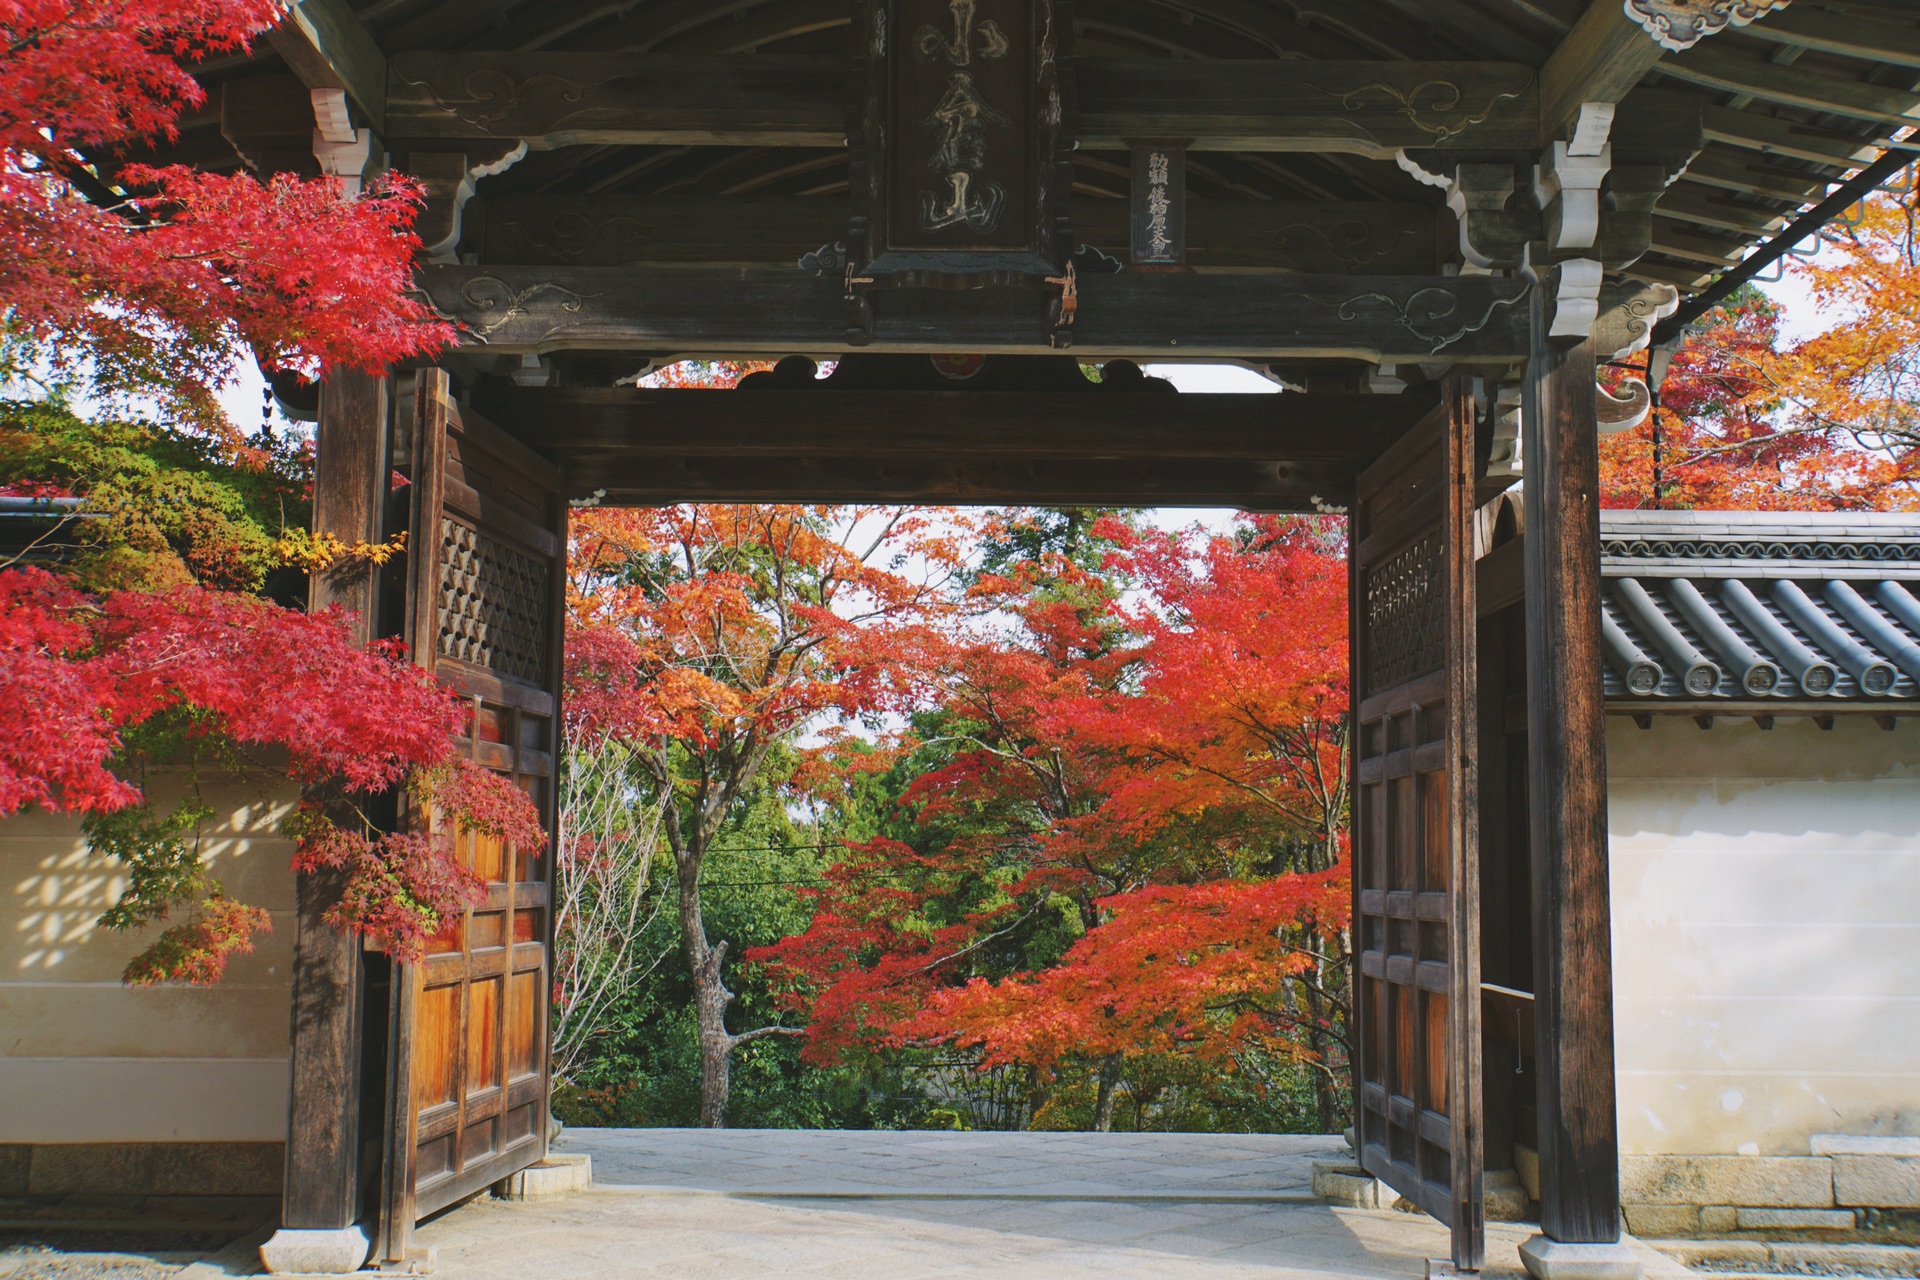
(1760, 606)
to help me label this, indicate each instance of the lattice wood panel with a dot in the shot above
(493, 603)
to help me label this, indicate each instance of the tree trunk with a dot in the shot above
(710, 994)
(1319, 1044)
(1109, 1092)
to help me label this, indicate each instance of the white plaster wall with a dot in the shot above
(1766, 933)
(84, 1058)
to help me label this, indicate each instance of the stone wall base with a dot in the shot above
(1845, 1185)
(189, 1179)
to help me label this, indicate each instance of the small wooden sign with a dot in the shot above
(1160, 205)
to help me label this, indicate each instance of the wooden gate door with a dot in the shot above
(468, 1070)
(1415, 849)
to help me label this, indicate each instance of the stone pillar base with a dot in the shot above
(557, 1175)
(1556, 1260)
(333, 1253)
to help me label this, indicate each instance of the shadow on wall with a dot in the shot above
(1766, 905)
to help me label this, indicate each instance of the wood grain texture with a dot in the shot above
(1601, 59)
(1417, 1064)
(554, 99)
(328, 47)
(1318, 237)
(1461, 1015)
(1567, 801)
(769, 311)
(574, 425)
(322, 1189)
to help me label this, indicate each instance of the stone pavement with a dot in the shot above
(692, 1205)
(797, 1162)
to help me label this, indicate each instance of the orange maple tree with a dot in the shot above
(1829, 423)
(706, 638)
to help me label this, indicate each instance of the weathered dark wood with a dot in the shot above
(322, 1190)
(1567, 783)
(1717, 69)
(758, 312)
(1361, 108)
(1416, 1024)
(1256, 486)
(325, 44)
(468, 1074)
(1461, 620)
(1601, 59)
(624, 99)
(985, 195)
(614, 99)
(575, 425)
(1318, 237)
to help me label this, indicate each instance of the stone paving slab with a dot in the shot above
(602, 1234)
(733, 1205)
(805, 1162)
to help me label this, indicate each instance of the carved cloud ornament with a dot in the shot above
(1681, 24)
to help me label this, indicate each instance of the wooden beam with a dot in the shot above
(1794, 86)
(1321, 237)
(1852, 36)
(1686, 203)
(615, 99)
(698, 477)
(1771, 135)
(767, 311)
(1362, 108)
(1601, 59)
(604, 424)
(322, 1189)
(328, 47)
(1567, 802)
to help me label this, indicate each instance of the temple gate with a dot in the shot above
(1431, 222)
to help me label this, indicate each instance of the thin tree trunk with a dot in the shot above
(1109, 1092)
(1326, 1102)
(710, 994)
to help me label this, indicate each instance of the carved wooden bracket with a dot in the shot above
(1681, 24)
(341, 149)
(449, 177)
(1623, 412)
(1627, 313)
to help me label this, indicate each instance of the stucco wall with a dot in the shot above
(1766, 936)
(84, 1059)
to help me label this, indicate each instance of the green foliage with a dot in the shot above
(167, 505)
(162, 856)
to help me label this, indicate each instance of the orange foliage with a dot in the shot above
(1830, 423)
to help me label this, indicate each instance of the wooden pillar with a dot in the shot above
(1567, 786)
(323, 1170)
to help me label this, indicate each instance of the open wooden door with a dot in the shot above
(468, 1066)
(1416, 1016)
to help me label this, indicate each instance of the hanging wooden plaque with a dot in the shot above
(961, 134)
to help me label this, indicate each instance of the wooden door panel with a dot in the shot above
(470, 1021)
(1416, 986)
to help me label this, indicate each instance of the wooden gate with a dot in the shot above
(1416, 1019)
(468, 1067)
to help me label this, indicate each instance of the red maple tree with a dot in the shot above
(156, 279)
(1157, 760)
